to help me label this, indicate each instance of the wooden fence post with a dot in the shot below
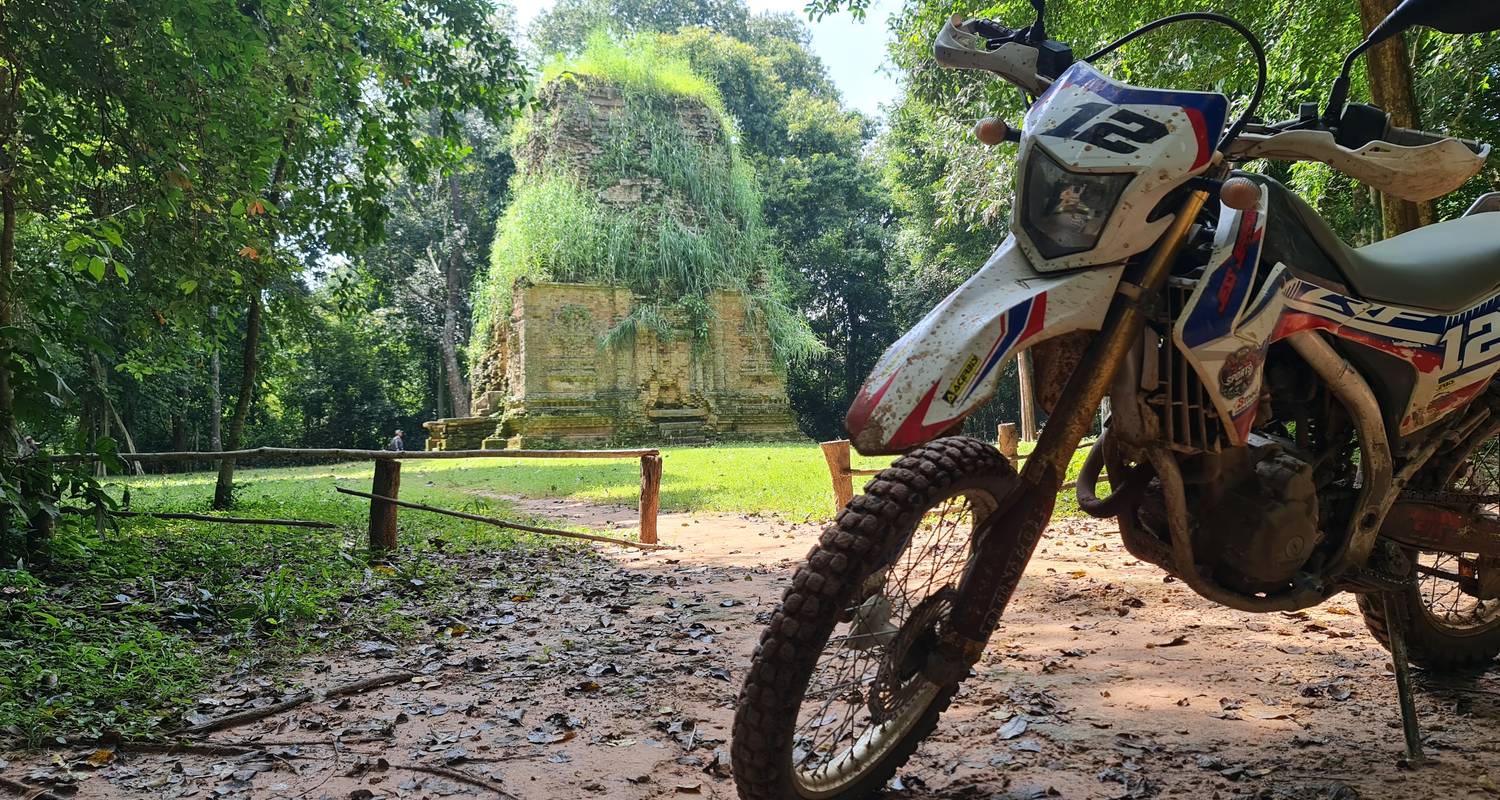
(1005, 441)
(1028, 396)
(836, 453)
(650, 496)
(383, 514)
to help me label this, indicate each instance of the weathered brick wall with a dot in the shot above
(564, 387)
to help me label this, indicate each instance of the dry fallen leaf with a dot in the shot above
(100, 757)
(1012, 729)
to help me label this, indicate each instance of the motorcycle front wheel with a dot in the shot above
(835, 700)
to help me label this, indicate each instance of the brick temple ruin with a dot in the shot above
(545, 377)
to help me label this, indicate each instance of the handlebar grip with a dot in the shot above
(1411, 137)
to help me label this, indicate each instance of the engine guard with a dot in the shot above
(948, 365)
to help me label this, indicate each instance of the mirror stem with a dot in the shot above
(1339, 94)
(1038, 31)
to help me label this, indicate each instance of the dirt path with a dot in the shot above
(582, 673)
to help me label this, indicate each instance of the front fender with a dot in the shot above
(948, 365)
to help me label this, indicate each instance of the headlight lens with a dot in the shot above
(1065, 212)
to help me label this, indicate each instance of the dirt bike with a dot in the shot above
(1288, 417)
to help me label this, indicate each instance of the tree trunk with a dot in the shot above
(458, 393)
(224, 489)
(101, 385)
(1388, 66)
(7, 271)
(215, 394)
(1028, 404)
(10, 87)
(180, 427)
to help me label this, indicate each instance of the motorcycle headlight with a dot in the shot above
(1065, 212)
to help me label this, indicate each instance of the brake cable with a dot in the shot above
(1205, 16)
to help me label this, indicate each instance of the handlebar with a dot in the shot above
(1031, 61)
(1410, 137)
(1363, 123)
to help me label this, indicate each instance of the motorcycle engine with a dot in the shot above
(1256, 510)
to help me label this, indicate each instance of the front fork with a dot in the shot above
(1006, 540)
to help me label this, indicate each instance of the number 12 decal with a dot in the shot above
(1122, 131)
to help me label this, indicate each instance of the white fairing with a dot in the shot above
(1225, 332)
(1088, 123)
(949, 364)
(957, 48)
(1226, 351)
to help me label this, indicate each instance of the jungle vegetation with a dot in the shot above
(271, 222)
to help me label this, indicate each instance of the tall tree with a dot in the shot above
(159, 158)
(565, 27)
(1388, 66)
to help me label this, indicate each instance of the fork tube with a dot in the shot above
(1007, 540)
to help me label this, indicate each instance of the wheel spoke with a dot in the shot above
(1439, 575)
(837, 731)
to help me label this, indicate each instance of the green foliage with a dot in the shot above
(699, 229)
(170, 161)
(121, 627)
(343, 380)
(557, 29)
(641, 67)
(66, 668)
(117, 630)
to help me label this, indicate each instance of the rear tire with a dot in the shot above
(1447, 630)
(776, 741)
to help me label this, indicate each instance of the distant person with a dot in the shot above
(397, 443)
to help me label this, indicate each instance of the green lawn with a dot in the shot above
(787, 480)
(790, 481)
(117, 630)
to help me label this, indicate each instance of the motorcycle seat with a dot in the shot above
(1445, 267)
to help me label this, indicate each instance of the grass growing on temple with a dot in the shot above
(698, 230)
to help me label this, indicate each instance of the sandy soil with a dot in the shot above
(616, 677)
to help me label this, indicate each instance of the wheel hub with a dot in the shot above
(907, 653)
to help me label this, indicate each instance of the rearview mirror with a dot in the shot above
(1448, 16)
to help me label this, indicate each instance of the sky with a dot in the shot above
(854, 51)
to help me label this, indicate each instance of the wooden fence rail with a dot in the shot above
(259, 453)
(387, 480)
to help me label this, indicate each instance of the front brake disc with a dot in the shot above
(895, 682)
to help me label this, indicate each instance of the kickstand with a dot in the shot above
(1395, 619)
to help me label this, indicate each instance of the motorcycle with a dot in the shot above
(1288, 417)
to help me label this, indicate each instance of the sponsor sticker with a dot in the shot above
(961, 380)
(1238, 372)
